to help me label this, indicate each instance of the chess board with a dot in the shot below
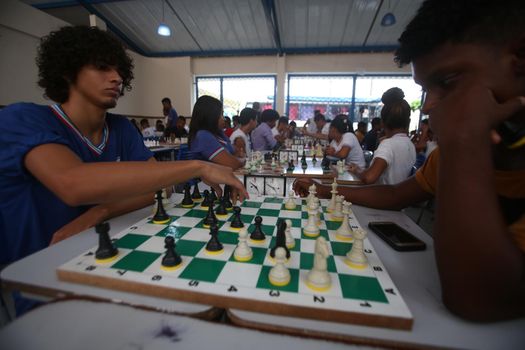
(362, 296)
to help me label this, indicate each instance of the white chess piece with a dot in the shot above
(312, 228)
(356, 257)
(311, 194)
(279, 274)
(331, 205)
(337, 214)
(344, 232)
(340, 167)
(290, 241)
(243, 252)
(318, 278)
(290, 202)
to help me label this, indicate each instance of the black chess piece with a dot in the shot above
(160, 217)
(280, 239)
(213, 244)
(221, 209)
(196, 195)
(314, 160)
(206, 202)
(257, 233)
(213, 196)
(106, 249)
(171, 259)
(227, 197)
(210, 218)
(291, 167)
(236, 218)
(303, 159)
(325, 163)
(187, 202)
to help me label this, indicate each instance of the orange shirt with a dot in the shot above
(509, 184)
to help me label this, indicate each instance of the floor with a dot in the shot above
(427, 217)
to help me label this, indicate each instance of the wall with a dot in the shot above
(21, 27)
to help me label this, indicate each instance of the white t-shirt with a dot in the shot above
(400, 155)
(239, 133)
(149, 132)
(355, 155)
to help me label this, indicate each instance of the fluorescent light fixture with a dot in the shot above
(388, 20)
(163, 30)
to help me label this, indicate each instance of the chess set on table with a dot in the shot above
(320, 269)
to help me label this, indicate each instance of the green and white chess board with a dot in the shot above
(363, 296)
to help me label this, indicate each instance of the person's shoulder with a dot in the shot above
(26, 113)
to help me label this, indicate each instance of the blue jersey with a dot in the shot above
(30, 213)
(205, 145)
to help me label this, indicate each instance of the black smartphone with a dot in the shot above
(396, 236)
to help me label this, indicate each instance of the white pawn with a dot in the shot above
(279, 274)
(331, 206)
(337, 214)
(290, 202)
(243, 252)
(312, 228)
(290, 241)
(356, 257)
(311, 194)
(318, 278)
(344, 232)
(340, 167)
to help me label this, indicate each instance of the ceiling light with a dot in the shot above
(163, 29)
(388, 20)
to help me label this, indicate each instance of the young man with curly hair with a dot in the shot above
(469, 57)
(70, 165)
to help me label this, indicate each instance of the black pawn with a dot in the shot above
(213, 196)
(221, 209)
(187, 202)
(213, 244)
(210, 218)
(257, 233)
(314, 159)
(160, 217)
(206, 202)
(106, 249)
(303, 159)
(196, 195)
(236, 218)
(280, 239)
(227, 200)
(171, 259)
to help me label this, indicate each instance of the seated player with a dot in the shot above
(240, 138)
(262, 137)
(371, 140)
(281, 129)
(344, 144)
(147, 131)
(180, 130)
(322, 127)
(292, 130)
(469, 58)
(206, 139)
(396, 155)
(361, 132)
(67, 167)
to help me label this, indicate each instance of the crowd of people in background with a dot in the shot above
(387, 153)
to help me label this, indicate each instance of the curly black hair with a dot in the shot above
(459, 21)
(63, 53)
(395, 113)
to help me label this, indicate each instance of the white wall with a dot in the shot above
(21, 27)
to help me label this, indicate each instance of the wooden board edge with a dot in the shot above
(237, 303)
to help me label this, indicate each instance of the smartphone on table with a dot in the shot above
(396, 236)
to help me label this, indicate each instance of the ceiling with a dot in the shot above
(243, 27)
